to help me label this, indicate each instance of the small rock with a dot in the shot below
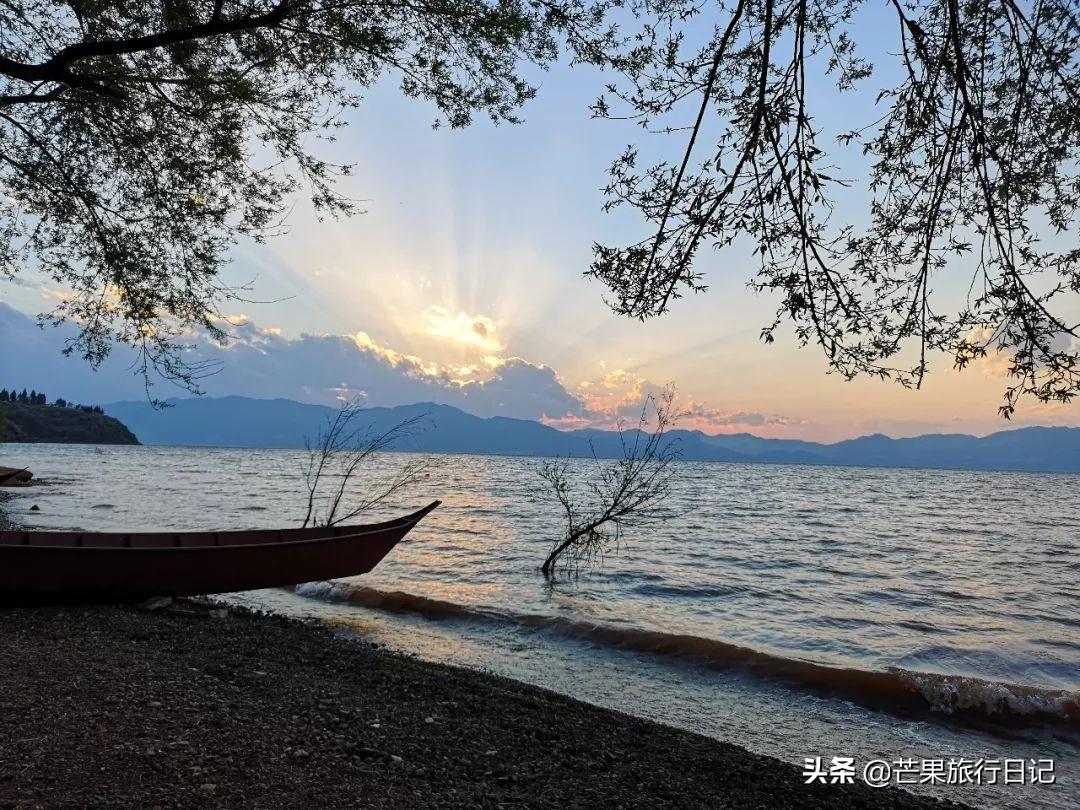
(397, 760)
(208, 787)
(490, 753)
(429, 719)
(156, 603)
(300, 753)
(35, 508)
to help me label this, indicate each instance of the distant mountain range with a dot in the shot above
(244, 422)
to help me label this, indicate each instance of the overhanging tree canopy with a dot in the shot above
(972, 169)
(138, 141)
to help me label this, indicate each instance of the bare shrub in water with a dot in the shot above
(631, 488)
(342, 451)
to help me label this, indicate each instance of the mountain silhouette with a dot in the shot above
(245, 422)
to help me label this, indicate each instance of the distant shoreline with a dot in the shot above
(738, 462)
(243, 422)
(198, 706)
(25, 423)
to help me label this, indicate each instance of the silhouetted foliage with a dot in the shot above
(972, 157)
(627, 490)
(139, 141)
(35, 398)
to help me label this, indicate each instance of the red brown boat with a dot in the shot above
(96, 567)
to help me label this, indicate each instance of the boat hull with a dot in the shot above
(32, 574)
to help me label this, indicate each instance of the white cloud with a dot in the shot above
(262, 362)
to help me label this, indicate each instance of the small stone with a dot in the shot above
(35, 508)
(490, 753)
(208, 787)
(156, 603)
(429, 719)
(300, 753)
(376, 725)
(397, 760)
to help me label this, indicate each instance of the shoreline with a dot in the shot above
(199, 705)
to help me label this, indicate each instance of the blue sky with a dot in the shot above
(487, 231)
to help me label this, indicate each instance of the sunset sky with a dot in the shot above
(471, 253)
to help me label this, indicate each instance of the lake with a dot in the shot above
(799, 611)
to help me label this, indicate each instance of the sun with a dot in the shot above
(476, 332)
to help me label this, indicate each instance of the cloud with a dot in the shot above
(518, 386)
(619, 395)
(995, 363)
(262, 362)
(476, 332)
(50, 294)
(327, 368)
(718, 419)
(998, 362)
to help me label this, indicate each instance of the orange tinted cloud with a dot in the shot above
(471, 331)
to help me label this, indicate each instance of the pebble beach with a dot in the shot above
(196, 705)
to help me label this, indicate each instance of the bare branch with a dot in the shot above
(630, 489)
(336, 461)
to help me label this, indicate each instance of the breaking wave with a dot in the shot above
(895, 690)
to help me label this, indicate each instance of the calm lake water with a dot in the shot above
(798, 611)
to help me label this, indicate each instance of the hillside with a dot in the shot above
(48, 423)
(243, 422)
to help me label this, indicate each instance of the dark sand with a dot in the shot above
(197, 707)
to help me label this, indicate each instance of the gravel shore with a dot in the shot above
(197, 706)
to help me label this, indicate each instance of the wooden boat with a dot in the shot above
(14, 476)
(84, 567)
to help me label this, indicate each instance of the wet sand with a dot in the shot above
(196, 706)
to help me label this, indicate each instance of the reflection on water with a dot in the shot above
(905, 573)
